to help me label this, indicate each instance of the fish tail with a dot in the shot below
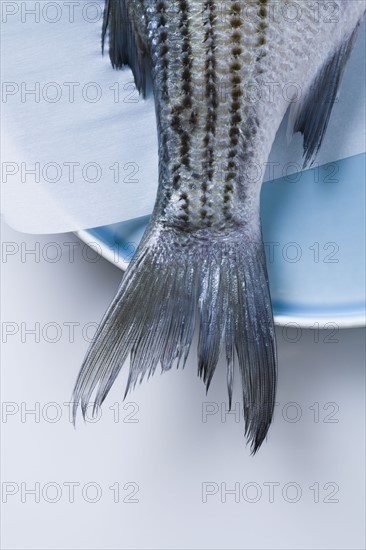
(173, 284)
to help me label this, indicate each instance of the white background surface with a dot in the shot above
(169, 453)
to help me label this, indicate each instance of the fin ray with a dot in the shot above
(310, 115)
(125, 44)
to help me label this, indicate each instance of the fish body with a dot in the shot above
(223, 75)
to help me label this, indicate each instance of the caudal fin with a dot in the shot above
(167, 288)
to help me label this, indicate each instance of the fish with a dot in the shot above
(201, 261)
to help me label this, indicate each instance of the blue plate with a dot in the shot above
(314, 230)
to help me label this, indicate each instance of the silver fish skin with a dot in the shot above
(223, 75)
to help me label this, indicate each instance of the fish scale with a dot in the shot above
(203, 192)
(224, 74)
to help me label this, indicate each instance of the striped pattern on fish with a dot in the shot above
(220, 70)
